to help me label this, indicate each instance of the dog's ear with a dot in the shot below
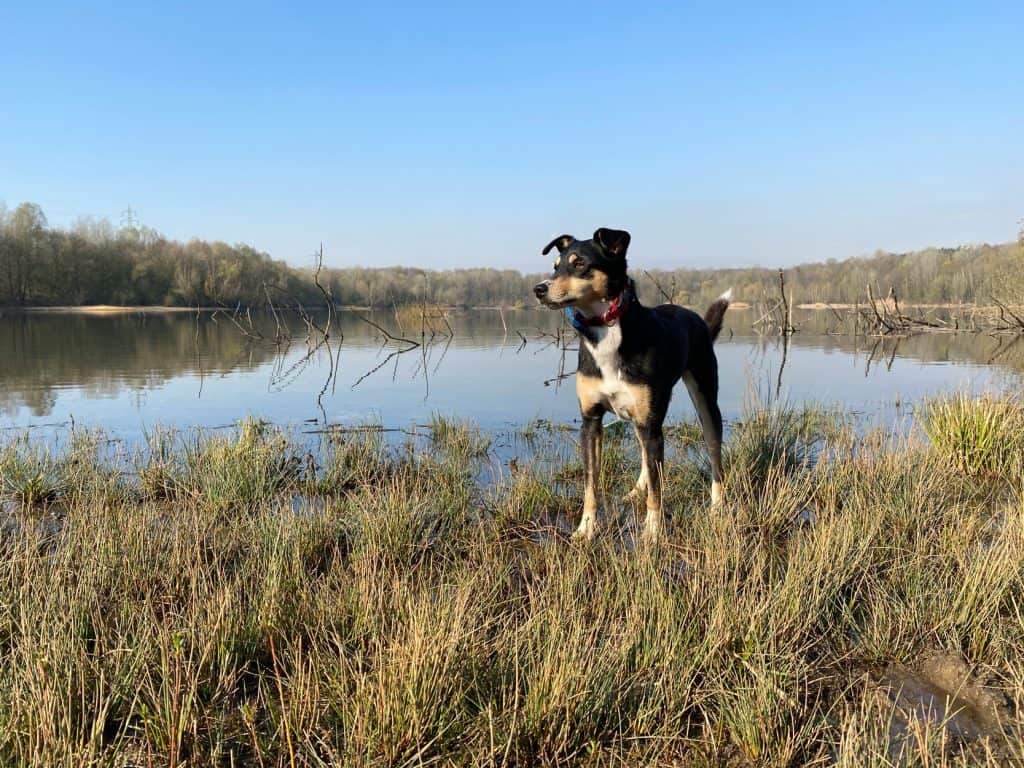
(613, 241)
(561, 243)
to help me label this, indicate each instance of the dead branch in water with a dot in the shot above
(778, 318)
(328, 298)
(1006, 325)
(767, 314)
(387, 335)
(279, 332)
(788, 328)
(887, 319)
(880, 321)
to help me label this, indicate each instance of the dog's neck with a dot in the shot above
(592, 320)
(623, 300)
(595, 308)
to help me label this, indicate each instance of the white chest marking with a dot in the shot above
(616, 393)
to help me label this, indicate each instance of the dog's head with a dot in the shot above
(585, 271)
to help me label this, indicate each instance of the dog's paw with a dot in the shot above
(587, 531)
(652, 535)
(717, 495)
(654, 528)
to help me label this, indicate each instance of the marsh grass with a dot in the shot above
(457, 440)
(773, 438)
(399, 614)
(35, 475)
(236, 471)
(29, 475)
(975, 434)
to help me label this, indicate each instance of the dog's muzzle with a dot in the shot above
(540, 290)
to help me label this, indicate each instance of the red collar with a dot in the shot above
(615, 310)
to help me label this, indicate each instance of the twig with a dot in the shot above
(765, 316)
(249, 333)
(328, 298)
(380, 365)
(1010, 312)
(278, 332)
(658, 286)
(878, 317)
(199, 355)
(387, 335)
(782, 366)
(787, 327)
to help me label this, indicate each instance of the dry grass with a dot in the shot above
(234, 601)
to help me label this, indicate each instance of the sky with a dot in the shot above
(470, 134)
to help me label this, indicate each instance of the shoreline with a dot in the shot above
(115, 309)
(102, 309)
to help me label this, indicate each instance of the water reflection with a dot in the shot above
(125, 372)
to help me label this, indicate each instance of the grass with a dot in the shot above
(236, 471)
(976, 435)
(238, 599)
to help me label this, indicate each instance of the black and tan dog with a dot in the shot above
(630, 357)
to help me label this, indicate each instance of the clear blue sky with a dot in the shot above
(470, 134)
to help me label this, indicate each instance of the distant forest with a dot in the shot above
(95, 263)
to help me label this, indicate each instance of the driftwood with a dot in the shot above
(883, 317)
(778, 318)
(1005, 324)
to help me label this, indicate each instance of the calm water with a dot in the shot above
(126, 373)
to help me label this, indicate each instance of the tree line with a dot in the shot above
(94, 263)
(964, 274)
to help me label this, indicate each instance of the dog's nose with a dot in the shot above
(540, 290)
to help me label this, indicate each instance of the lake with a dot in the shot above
(126, 373)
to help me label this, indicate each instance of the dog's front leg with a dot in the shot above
(652, 452)
(639, 493)
(591, 435)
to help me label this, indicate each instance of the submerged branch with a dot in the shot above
(388, 335)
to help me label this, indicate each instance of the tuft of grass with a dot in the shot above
(254, 463)
(353, 460)
(157, 464)
(980, 435)
(36, 476)
(457, 439)
(780, 439)
(539, 428)
(30, 476)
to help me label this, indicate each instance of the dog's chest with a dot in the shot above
(616, 393)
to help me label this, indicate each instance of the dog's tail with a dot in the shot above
(715, 315)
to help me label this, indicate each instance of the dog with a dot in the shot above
(630, 357)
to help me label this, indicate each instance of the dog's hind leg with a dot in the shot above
(591, 434)
(702, 384)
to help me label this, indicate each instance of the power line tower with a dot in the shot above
(129, 219)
